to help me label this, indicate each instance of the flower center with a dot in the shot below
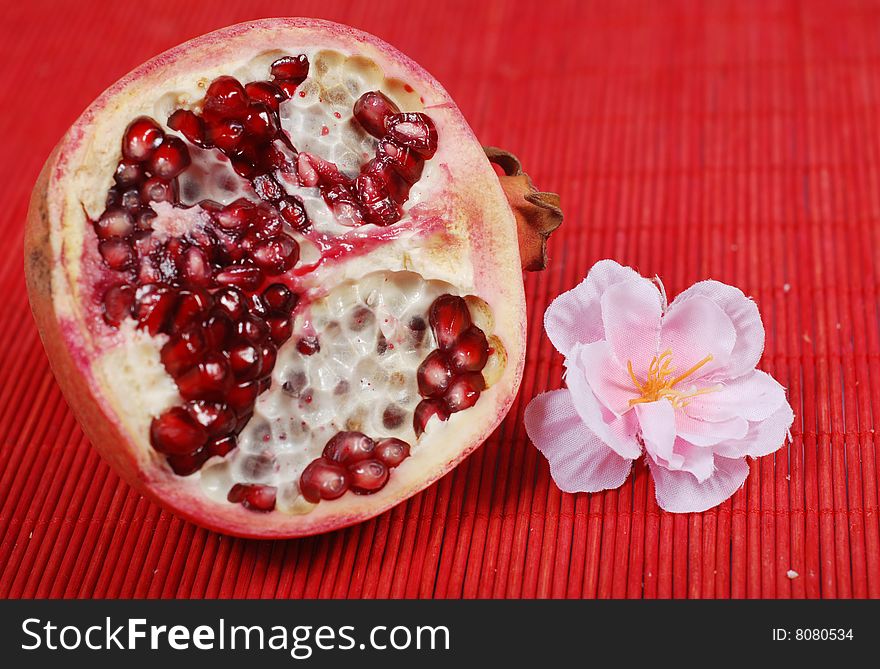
(661, 381)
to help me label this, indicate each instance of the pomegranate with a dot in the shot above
(279, 280)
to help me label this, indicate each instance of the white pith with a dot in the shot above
(396, 280)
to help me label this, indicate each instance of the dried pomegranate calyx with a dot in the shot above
(537, 213)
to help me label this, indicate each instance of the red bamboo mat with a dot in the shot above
(733, 140)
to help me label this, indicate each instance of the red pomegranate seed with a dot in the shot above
(232, 301)
(291, 68)
(293, 211)
(449, 317)
(371, 110)
(176, 433)
(470, 352)
(414, 131)
(191, 307)
(308, 345)
(254, 496)
(383, 170)
(222, 445)
(259, 122)
(141, 138)
(266, 92)
(226, 134)
(267, 188)
(170, 159)
(323, 479)
(464, 391)
(344, 205)
(434, 375)
(189, 125)
(241, 398)
(376, 204)
(218, 419)
(117, 304)
(270, 354)
(195, 270)
(218, 330)
(276, 256)
(154, 304)
(426, 410)
(280, 329)
(245, 277)
(156, 189)
(131, 199)
(224, 97)
(266, 223)
(144, 220)
(236, 216)
(280, 299)
(246, 360)
(117, 253)
(114, 223)
(183, 351)
(253, 329)
(128, 173)
(392, 451)
(184, 465)
(349, 447)
(408, 164)
(367, 477)
(210, 379)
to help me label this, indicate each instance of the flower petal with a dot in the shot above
(575, 317)
(657, 423)
(608, 380)
(697, 460)
(693, 329)
(704, 433)
(617, 432)
(681, 492)
(744, 315)
(579, 460)
(754, 396)
(631, 313)
(764, 437)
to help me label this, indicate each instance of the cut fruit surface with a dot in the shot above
(278, 279)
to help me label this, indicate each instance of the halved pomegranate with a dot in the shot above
(279, 280)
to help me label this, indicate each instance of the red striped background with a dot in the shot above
(734, 140)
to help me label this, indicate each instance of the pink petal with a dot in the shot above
(763, 437)
(657, 423)
(616, 431)
(579, 460)
(697, 460)
(575, 317)
(753, 396)
(681, 492)
(631, 312)
(743, 313)
(693, 329)
(703, 433)
(610, 383)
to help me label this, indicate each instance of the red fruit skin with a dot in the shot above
(486, 228)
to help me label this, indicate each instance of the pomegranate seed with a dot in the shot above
(349, 447)
(245, 360)
(131, 199)
(256, 305)
(128, 173)
(291, 68)
(270, 354)
(277, 255)
(218, 330)
(195, 269)
(378, 208)
(141, 138)
(222, 445)
(236, 216)
(323, 479)
(154, 304)
(287, 88)
(253, 329)
(280, 299)
(114, 223)
(183, 351)
(383, 170)
(231, 301)
(308, 345)
(426, 410)
(293, 211)
(256, 497)
(414, 131)
(189, 125)
(144, 221)
(245, 277)
(267, 188)
(464, 391)
(266, 223)
(392, 451)
(280, 329)
(170, 159)
(344, 205)
(224, 97)
(470, 352)
(210, 379)
(217, 419)
(408, 164)
(266, 92)
(392, 417)
(176, 433)
(367, 477)
(371, 110)
(156, 189)
(117, 253)
(184, 465)
(226, 134)
(259, 122)
(191, 306)
(241, 398)
(117, 304)
(434, 375)
(449, 317)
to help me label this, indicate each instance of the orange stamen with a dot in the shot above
(661, 384)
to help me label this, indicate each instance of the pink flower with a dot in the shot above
(677, 381)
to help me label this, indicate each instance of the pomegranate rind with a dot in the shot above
(70, 187)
